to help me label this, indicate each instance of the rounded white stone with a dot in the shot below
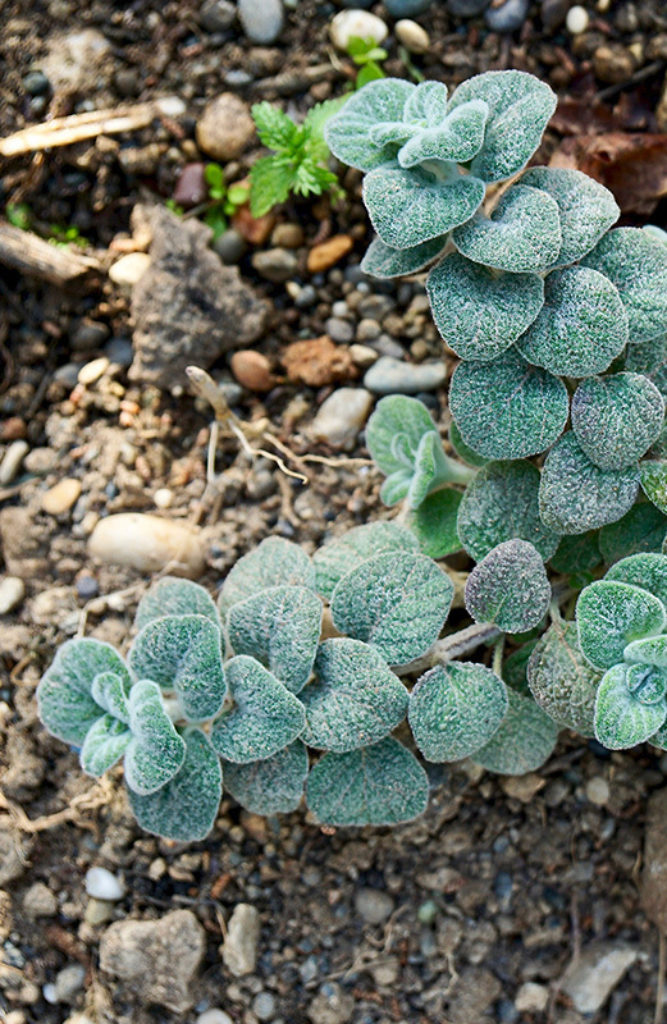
(93, 370)
(214, 1016)
(415, 39)
(163, 497)
(148, 543)
(354, 22)
(103, 885)
(126, 271)
(12, 592)
(577, 20)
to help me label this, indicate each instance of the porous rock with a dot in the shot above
(188, 307)
(13, 852)
(591, 978)
(148, 543)
(156, 959)
(225, 127)
(239, 950)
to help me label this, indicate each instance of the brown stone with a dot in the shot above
(252, 370)
(255, 230)
(317, 362)
(225, 127)
(326, 254)
(613, 64)
(60, 498)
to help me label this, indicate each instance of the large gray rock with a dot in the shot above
(590, 980)
(187, 307)
(156, 959)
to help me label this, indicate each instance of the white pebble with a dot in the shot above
(12, 459)
(93, 370)
(102, 885)
(353, 22)
(126, 271)
(214, 1016)
(148, 543)
(163, 497)
(12, 592)
(49, 993)
(597, 791)
(576, 21)
(414, 38)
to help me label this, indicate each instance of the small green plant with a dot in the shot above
(299, 163)
(19, 215)
(224, 199)
(62, 236)
(368, 56)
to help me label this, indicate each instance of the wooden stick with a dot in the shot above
(64, 131)
(31, 255)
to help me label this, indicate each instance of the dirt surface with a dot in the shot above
(473, 913)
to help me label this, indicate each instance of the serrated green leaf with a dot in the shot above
(576, 496)
(478, 313)
(617, 418)
(181, 653)
(397, 602)
(275, 129)
(379, 785)
(508, 409)
(108, 691)
(524, 741)
(642, 529)
(520, 107)
(586, 208)
(637, 265)
(648, 571)
(407, 208)
(382, 261)
(273, 786)
(273, 563)
(650, 359)
(264, 717)
(354, 701)
(434, 523)
(311, 179)
(582, 326)
(280, 627)
(458, 136)
(172, 596)
(156, 751)
(561, 680)
(341, 555)
(455, 709)
(621, 720)
(653, 480)
(271, 179)
(522, 234)
(66, 705)
(186, 807)
(509, 587)
(501, 504)
(314, 124)
(349, 132)
(579, 553)
(610, 615)
(463, 450)
(105, 743)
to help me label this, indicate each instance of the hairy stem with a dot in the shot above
(456, 645)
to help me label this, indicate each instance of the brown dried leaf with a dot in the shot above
(653, 886)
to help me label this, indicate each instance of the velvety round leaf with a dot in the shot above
(576, 496)
(508, 409)
(642, 529)
(264, 717)
(382, 261)
(394, 431)
(586, 208)
(521, 235)
(653, 480)
(582, 326)
(651, 650)
(458, 137)
(354, 700)
(561, 680)
(105, 743)
(637, 265)
(273, 563)
(349, 132)
(109, 692)
(579, 553)
(281, 629)
(622, 721)
(463, 450)
(66, 705)
(650, 359)
(273, 786)
(520, 107)
(509, 588)
(434, 523)
(379, 785)
(610, 615)
(455, 709)
(156, 751)
(480, 314)
(172, 596)
(407, 208)
(396, 602)
(525, 740)
(426, 106)
(185, 809)
(501, 504)
(648, 571)
(182, 653)
(344, 553)
(617, 418)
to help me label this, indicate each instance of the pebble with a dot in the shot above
(264, 1006)
(326, 254)
(554, 12)
(276, 265)
(230, 246)
(69, 982)
(98, 912)
(359, 23)
(368, 330)
(522, 787)
(36, 83)
(119, 351)
(287, 236)
(318, 362)
(89, 334)
(612, 63)
(225, 126)
(39, 901)
(191, 188)
(406, 8)
(415, 39)
(341, 416)
(392, 376)
(531, 998)
(592, 977)
(467, 8)
(252, 370)
(103, 885)
(239, 950)
(77, 61)
(12, 592)
(163, 498)
(92, 371)
(373, 905)
(597, 791)
(126, 271)
(576, 20)
(507, 18)
(214, 1016)
(11, 461)
(363, 356)
(216, 15)
(340, 331)
(148, 543)
(262, 20)
(60, 498)
(157, 959)
(331, 1005)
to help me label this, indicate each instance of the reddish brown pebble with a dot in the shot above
(255, 230)
(252, 370)
(191, 187)
(13, 429)
(317, 362)
(324, 255)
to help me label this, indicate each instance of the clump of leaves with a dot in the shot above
(224, 199)
(299, 163)
(368, 57)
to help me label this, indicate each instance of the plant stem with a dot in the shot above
(453, 646)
